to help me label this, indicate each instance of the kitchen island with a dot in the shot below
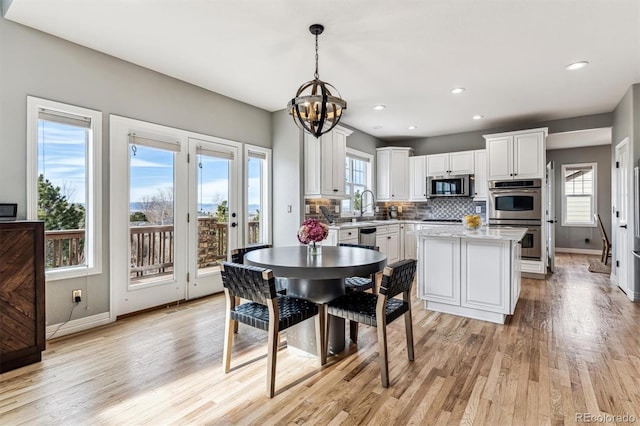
(474, 274)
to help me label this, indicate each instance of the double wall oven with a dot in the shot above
(518, 203)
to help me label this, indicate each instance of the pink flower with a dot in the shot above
(312, 230)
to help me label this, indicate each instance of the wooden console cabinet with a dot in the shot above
(22, 308)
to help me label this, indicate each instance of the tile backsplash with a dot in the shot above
(435, 208)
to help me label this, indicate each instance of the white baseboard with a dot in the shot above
(79, 324)
(578, 251)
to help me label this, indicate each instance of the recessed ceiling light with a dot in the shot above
(576, 66)
(478, 117)
(412, 127)
(377, 127)
(457, 90)
(379, 107)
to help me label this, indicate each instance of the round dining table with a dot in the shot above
(319, 279)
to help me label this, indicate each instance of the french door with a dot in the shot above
(214, 215)
(174, 213)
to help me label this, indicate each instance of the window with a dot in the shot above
(579, 194)
(257, 194)
(64, 184)
(357, 179)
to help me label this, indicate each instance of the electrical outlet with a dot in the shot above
(478, 209)
(317, 208)
(307, 209)
(399, 209)
(377, 209)
(336, 209)
(289, 208)
(586, 241)
(76, 296)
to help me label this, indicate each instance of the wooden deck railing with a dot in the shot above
(152, 247)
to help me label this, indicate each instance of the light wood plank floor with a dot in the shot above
(573, 346)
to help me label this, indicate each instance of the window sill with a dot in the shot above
(70, 273)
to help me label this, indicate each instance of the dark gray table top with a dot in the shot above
(333, 263)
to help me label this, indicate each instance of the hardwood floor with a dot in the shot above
(573, 346)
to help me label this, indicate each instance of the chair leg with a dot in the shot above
(382, 354)
(228, 340)
(353, 331)
(272, 353)
(408, 325)
(321, 325)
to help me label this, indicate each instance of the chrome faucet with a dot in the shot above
(373, 201)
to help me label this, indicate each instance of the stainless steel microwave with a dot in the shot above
(454, 186)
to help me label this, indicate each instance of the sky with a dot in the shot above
(64, 149)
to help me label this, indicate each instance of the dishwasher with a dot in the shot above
(367, 236)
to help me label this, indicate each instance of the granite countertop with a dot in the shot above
(484, 232)
(368, 223)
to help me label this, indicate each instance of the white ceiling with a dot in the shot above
(407, 54)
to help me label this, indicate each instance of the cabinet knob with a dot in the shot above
(335, 190)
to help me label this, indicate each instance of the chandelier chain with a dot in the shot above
(316, 75)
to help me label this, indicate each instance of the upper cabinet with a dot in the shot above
(324, 164)
(418, 178)
(480, 184)
(450, 164)
(516, 155)
(392, 171)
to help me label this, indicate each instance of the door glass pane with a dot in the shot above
(62, 191)
(255, 197)
(151, 214)
(213, 211)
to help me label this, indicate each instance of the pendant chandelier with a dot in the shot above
(317, 106)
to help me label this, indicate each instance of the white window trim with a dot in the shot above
(593, 223)
(362, 154)
(266, 192)
(93, 229)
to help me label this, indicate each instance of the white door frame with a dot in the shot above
(625, 219)
(120, 127)
(550, 216)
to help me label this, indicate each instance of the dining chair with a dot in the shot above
(267, 310)
(237, 256)
(381, 309)
(606, 245)
(358, 284)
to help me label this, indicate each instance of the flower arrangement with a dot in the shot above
(311, 232)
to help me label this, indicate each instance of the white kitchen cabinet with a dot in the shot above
(473, 276)
(439, 270)
(450, 164)
(324, 164)
(348, 236)
(516, 155)
(410, 242)
(388, 241)
(392, 172)
(418, 178)
(480, 183)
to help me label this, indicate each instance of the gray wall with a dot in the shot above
(474, 140)
(288, 178)
(574, 236)
(37, 64)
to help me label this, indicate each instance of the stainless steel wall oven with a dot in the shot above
(518, 203)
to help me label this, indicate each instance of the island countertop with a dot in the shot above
(484, 232)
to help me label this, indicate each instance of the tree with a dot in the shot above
(256, 217)
(158, 209)
(55, 209)
(223, 211)
(137, 217)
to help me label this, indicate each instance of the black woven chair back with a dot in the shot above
(401, 278)
(376, 248)
(237, 255)
(248, 282)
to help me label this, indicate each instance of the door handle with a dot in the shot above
(623, 226)
(551, 221)
(233, 224)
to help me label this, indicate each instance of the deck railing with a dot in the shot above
(152, 247)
